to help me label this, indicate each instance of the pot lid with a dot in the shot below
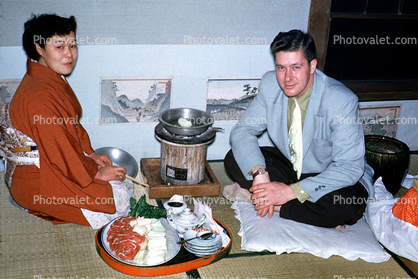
(187, 218)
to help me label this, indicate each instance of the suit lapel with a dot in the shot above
(312, 111)
(281, 108)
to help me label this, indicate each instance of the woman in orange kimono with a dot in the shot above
(69, 176)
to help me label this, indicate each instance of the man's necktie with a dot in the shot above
(295, 140)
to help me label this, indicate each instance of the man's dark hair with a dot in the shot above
(42, 27)
(293, 41)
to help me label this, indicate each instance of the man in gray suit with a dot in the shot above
(330, 185)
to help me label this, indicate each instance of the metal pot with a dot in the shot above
(200, 120)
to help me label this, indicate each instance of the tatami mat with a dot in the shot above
(413, 165)
(33, 248)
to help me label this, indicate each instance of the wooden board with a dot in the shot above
(159, 189)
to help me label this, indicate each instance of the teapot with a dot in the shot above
(185, 220)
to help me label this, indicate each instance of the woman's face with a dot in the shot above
(59, 53)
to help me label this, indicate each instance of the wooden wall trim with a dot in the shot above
(318, 27)
(384, 90)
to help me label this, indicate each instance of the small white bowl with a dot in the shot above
(175, 207)
(175, 204)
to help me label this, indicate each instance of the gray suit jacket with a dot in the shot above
(333, 136)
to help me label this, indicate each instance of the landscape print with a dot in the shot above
(227, 99)
(381, 121)
(7, 89)
(133, 100)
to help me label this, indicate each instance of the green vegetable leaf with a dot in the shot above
(143, 209)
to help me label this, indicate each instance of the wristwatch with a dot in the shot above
(259, 171)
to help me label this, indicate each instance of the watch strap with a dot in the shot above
(259, 171)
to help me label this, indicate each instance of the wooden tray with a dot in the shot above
(183, 262)
(159, 189)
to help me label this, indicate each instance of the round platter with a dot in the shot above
(172, 246)
(176, 265)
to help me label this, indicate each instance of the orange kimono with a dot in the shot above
(406, 208)
(46, 109)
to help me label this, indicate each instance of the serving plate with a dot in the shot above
(183, 262)
(172, 246)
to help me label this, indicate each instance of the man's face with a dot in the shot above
(294, 73)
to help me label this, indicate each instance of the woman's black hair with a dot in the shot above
(42, 27)
(293, 41)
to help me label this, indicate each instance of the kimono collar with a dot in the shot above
(37, 70)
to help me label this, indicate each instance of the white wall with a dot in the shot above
(150, 43)
(152, 39)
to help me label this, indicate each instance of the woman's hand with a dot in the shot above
(101, 160)
(108, 173)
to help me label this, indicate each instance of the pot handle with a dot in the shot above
(203, 220)
(169, 218)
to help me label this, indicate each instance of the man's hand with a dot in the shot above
(270, 196)
(260, 179)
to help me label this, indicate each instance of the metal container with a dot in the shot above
(121, 158)
(200, 120)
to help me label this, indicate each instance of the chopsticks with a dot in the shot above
(136, 180)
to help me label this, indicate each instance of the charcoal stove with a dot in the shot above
(183, 157)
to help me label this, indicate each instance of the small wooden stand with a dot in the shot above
(159, 189)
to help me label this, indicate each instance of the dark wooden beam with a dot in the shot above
(318, 27)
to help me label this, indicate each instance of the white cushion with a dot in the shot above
(396, 235)
(281, 235)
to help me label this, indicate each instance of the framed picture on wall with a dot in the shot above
(7, 89)
(382, 121)
(133, 100)
(228, 98)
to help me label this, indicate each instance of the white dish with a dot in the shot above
(202, 247)
(206, 250)
(202, 253)
(172, 246)
(214, 240)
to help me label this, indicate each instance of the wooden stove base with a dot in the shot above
(159, 189)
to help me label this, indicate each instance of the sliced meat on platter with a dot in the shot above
(123, 241)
